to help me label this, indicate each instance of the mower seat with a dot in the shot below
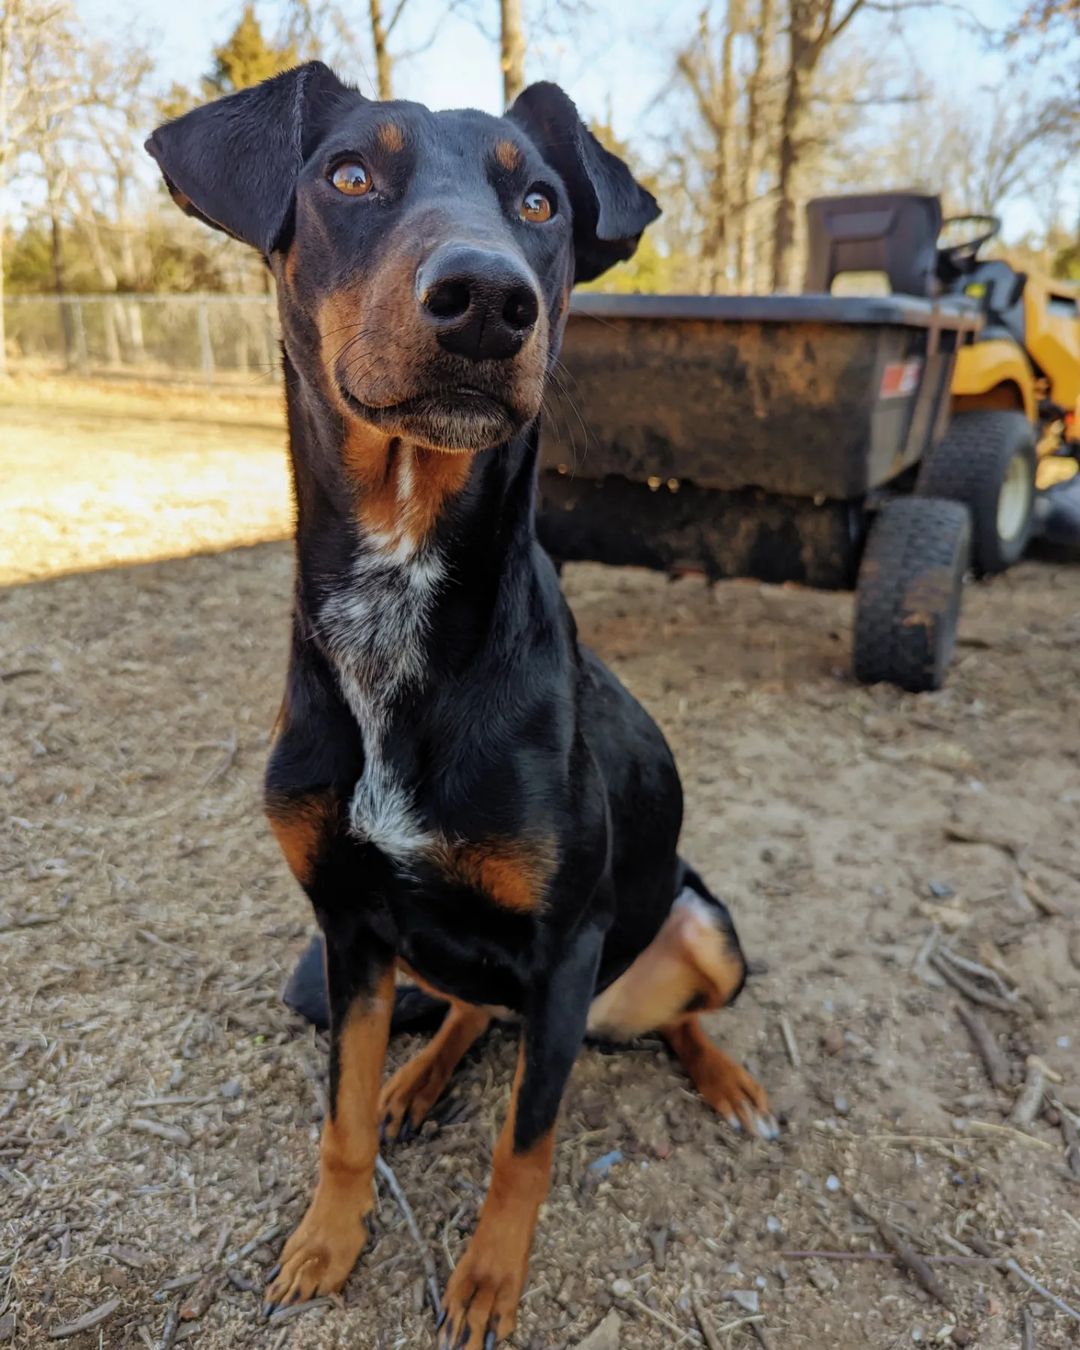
(999, 289)
(891, 232)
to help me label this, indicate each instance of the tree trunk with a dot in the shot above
(512, 48)
(56, 259)
(380, 40)
(3, 333)
(755, 148)
(783, 244)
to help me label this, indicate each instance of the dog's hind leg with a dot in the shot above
(693, 965)
(725, 1085)
(414, 1089)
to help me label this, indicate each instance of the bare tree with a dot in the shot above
(813, 27)
(512, 48)
(382, 30)
(27, 28)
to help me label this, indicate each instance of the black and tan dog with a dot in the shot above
(461, 789)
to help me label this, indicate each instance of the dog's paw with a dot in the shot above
(481, 1300)
(740, 1099)
(318, 1256)
(405, 1101)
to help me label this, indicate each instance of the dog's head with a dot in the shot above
(424, 260)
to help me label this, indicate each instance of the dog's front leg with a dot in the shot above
(482, 1296)
(324, 1248)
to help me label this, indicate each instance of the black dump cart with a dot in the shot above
(776, 437)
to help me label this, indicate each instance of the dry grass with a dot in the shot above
(159, 1109)
(97, 474)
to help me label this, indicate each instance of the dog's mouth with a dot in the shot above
(459, 417)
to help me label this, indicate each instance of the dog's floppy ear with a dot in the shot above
(234, 163)
(611, 208)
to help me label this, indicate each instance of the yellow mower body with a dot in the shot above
(1038, 376)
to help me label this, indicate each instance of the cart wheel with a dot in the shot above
(907, 600)
(987, 461)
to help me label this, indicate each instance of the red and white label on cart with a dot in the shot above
(901, 378)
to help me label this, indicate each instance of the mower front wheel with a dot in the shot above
(907, 600)
(987, 461)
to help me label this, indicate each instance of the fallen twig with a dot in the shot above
(1027, 1329)
(991, 1054)
(700, 1316)
(1010, 1265)
(175, 1134)
(886, 1256)
(1071, 1136)
(169, 1330)
(790, 1044)
(1029, 1102)
(988, 1127)
(86, 1321)
(427, 1260)
(968, 988)
(982, 972)
(910, 1259)
(287, 1314)
(267, 1235)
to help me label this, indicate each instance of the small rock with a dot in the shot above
(832, 1183)
(833, 1041)
(231, 1090)
(940, 890)
(747, 1299)
(841, 1105)
(773, 1224)
(622, 1288)
(606, 1336)
(822, 1278)
(7, 1327)
(961, 1336)
(663, 1149)
(602, 1166)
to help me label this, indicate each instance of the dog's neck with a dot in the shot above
(404, 552)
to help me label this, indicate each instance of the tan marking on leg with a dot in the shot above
(301, 825)
(689, 961)
(725, 1085)
(324, 1248)
(417, 1086)
(508, 155)
(391, 137)
(512, 873)
(486, 1286)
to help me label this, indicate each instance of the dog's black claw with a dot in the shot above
(440, 1319)
(273, 1273)
(407, 1133)
(268, 1309)
(489, 1341)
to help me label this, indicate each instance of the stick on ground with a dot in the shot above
(991, 1054)
(427, 1260)
(86, 1321)
(701, 1316)
(907, 1256)
(1029, 1103)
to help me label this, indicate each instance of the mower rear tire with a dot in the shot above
(987, 461)
(907, 600)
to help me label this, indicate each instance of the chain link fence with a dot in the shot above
(209, 339)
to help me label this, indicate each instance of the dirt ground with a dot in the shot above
(159, 1109)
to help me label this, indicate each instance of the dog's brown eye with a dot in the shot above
(537, 207)
(352, 179)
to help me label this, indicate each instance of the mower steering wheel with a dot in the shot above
(961, 257)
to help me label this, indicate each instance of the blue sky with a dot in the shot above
(616, 65)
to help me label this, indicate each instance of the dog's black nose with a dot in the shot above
(481, 303)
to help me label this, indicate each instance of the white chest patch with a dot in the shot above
(374, 634)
